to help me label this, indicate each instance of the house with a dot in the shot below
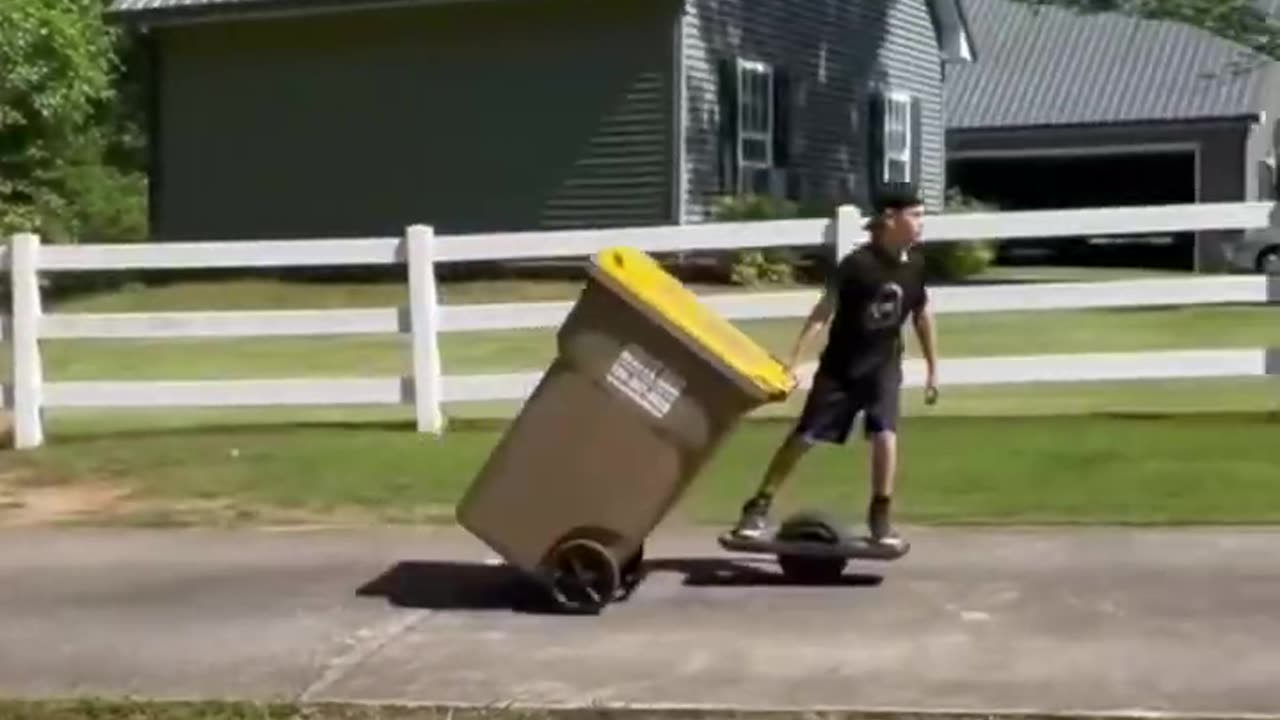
(1097, 109)
(292, 118)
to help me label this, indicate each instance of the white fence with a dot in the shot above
(429, 388)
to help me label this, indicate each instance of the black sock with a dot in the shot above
(761, 500)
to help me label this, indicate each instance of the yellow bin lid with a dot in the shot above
(641, 276)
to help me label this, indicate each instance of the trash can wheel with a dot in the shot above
(810, 528)
(584, 577)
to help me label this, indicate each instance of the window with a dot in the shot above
(755, 125)
(897, 137)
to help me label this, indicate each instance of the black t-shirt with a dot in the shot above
(874, 293)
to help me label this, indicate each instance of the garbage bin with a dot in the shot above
(646, 384)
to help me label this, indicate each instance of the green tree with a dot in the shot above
(59, 60)
(1240, 21)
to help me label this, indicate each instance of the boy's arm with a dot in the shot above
(814, 325)
(819, 317)
(926, 333)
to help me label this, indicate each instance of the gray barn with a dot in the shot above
(291, 118)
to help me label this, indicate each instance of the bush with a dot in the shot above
(90, 200)
(102, 204)
(756, 267)
(960, 260)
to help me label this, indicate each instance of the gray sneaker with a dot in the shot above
(754, 523)
(881, 531)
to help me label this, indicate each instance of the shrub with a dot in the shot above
(960, 260)
(756, 267)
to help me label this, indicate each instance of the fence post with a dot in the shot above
(848, 231)
(424, 326)
(24, 286)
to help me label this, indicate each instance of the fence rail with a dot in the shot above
(423, 318)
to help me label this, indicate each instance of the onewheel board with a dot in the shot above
(857, 547)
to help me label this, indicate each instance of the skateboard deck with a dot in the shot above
(851, 547)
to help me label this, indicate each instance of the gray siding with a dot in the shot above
(835, 52)
(911, 61)
(471, 117)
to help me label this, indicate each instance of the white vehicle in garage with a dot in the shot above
(1255, 251)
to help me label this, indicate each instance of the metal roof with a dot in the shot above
(948, 11)
(144, 5)
(1049, 66)
(176, 10)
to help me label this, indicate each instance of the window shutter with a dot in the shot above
(781, 117)
(917, 144)
(875, 142)
(728, 136)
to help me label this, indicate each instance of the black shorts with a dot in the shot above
(833, 405)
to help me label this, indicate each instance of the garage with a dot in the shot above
(1083, 179)
(1066, 109)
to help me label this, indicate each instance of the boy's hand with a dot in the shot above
(931, 390)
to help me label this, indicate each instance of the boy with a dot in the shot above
(866, 303)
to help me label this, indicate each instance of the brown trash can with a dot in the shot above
(646, 384)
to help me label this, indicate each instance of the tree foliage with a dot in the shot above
(1240, 21)
(58, 113)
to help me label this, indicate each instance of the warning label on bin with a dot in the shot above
(648, 382)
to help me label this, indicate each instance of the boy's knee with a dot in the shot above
(878, 426)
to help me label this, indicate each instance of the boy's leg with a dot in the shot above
(881, 423)
(884, 450)
(828, 416)
(754, 521)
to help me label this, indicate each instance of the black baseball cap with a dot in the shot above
(892, 199)
(895, 199)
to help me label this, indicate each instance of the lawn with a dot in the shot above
(1174, 468)
(1159, 451)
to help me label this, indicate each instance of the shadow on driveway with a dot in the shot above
(454, 585)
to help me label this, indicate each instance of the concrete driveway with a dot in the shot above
(1062, 620)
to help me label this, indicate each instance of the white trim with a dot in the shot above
(954, 44)
(1081, 151)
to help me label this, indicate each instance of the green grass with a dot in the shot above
(1090, 469)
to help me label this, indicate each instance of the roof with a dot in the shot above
(1050, 66)
(178, 10)
(948, 14)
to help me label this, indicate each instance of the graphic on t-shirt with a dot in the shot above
(885, 308)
